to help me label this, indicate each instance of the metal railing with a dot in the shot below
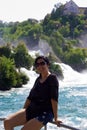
(61, 125)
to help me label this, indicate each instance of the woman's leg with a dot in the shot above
(16, 119)
(33, 124)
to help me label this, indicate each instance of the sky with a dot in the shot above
(21, 10)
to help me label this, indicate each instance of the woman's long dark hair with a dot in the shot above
(42, 57)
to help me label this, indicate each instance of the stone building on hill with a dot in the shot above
(72, 8)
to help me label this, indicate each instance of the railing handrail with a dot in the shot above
(61, 125)
(65, 126)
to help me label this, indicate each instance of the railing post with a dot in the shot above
(45, 127)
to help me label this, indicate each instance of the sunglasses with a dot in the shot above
(40, 64)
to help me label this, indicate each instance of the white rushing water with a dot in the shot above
(72, 77)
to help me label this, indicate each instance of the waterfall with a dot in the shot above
(71, 76)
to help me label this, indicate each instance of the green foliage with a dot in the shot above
(9, 77)
(7, 73)
(55, 68)
(65, 30)
(24, 78)
(5, 50)
(76, 58)
(21, 79)
(77, 31)
(57, 12)
(35, 31)
(21, 56)
(56, 41)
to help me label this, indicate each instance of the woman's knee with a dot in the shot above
(7, 122)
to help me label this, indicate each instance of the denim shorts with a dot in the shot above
(45, 117)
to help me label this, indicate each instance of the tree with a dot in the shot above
(5, 50)
(7, 73)
(21, 56)
(9, 77)
(76, 58)
(57, 11)
(35, 31)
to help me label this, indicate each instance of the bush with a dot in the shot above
(21, 56)
(24, 78)
(76, 58)
(5, 50)
(9, 77)
(21, 79)
(7, 73)
(55, 68)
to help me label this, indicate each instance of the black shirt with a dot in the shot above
(41, 95)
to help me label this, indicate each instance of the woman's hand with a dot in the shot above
(58, 122)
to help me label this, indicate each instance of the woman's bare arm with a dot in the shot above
(55, 109)
(27, 103)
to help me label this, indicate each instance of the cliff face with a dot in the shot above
(2, 42)
(83, 41)
(44, 46)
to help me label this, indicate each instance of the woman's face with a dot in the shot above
(41, 66)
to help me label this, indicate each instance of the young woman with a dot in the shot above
(41, 106)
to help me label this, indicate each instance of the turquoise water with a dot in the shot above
(72, 103)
